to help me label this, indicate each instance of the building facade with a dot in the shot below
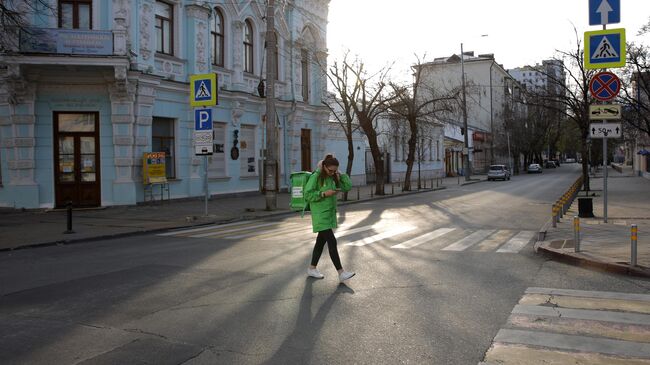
(92, 85)
(486, 95)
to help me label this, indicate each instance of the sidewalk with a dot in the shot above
(606, 245)
(45, 227)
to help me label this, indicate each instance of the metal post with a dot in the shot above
(69, 218)
(468, 169)
(604, 178)
(633, 246)
(576, 233)
(205, 185)
(554, 215)
(392, 189)
(271, 169)
(358, 198)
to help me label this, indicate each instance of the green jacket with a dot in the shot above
(323, 210)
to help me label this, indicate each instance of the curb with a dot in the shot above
(200, 224)
(592, 262)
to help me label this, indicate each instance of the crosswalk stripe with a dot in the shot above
(574, 343)
(591, 315)
(588, 294)
(285, 230)
(517, 242)
(204, 228)
(381, 236)
(232, 230)
(494, 241)
(424, 238)
(469, 241)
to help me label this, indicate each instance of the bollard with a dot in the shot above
(554, 215)
(392, 189)
(437, 179)
(576, 233)
(358, 193)
(69, 230)
(371, 192)
(633, 245)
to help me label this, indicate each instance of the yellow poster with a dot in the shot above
(153, 168)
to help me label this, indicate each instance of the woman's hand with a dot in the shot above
(330, 192)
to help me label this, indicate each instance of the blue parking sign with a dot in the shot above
(202, 119)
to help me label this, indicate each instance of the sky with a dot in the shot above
(519, 32)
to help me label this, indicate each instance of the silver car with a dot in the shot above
(534, 167)
(498, 172)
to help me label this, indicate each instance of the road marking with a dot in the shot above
(424, 238)
(574, 343)
(214, 233)
(470, 240)
(517, 242)
(585, 314)
(381, 236)
(494, 241)
(204, 228)
(285, 230)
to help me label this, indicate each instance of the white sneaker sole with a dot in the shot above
(316, 277)
(346, 279)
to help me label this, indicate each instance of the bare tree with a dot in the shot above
(13, 20)
(573, 99)
(636, 88)
(340, 104)
(417, 104)
(371, 101)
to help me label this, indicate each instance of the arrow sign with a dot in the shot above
(603, 12)
(605, 130)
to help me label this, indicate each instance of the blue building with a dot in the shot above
(92, 85)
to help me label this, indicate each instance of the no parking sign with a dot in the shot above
(604, 86)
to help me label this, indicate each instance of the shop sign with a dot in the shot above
(66, 41)
(153, 168)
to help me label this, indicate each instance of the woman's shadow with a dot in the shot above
(297, 346)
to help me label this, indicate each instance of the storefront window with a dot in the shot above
(247, 151)
(162, 140)
(217, 162)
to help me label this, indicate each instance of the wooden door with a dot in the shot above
(76, 159)
(305, 149)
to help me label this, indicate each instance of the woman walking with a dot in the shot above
(320, 193)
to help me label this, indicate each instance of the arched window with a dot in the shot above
(248, 47)
(216, 29)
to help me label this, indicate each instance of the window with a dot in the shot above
(248, 47)
(304, 65)
(162, 140)
(217, 38)
(217, 162)
(430, 150)
(248, 163)
(403, 149)
(75, 14)
(396, 143)
(164, 28)
(438, 150)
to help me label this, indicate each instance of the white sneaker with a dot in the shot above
(314, 273)
(345, 275)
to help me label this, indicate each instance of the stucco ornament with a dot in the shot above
(145, 35)
(236, 113)
(200, 47)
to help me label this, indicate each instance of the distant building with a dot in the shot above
(487, 100)
(103, 82)
(640, 151)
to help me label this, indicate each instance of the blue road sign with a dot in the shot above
(605, 48)
(202, 119)
(603, 12)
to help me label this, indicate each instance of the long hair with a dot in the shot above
(329, 160)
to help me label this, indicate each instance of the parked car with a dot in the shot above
(550, 164)
(570, 160)
(534, 167)
(498, 172)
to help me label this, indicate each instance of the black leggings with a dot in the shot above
(323, 237)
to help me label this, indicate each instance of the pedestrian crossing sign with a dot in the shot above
(203, 90)
(605, 48)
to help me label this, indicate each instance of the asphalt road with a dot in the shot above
(438, 275)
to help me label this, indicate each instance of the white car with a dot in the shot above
(498, 172)
(534, 167)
